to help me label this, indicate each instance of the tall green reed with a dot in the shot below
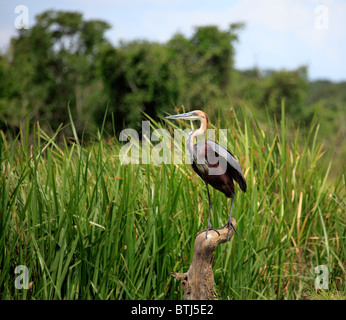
(88, 227)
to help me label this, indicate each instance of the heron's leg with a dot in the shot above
(229, 222)
(209, 205)
(208, 227)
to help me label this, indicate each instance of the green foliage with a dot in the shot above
(151, 77)
(88, 227)
(290, 86)
(135, 76)
(206, 63)
(66, 60)
(269, 88)
(52, 64)
(303, 100)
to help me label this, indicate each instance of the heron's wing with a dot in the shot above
(233, 167)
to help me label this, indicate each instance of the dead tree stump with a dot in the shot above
(198, 281)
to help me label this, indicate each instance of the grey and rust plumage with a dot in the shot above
(224, 167)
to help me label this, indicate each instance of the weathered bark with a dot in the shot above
(198, 281)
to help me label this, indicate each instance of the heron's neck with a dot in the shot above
(193, 134)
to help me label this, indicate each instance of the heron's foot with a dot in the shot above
(206, 232)
(229, 225)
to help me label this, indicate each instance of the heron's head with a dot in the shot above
(193, 115)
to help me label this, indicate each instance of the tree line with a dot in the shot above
(65, 61)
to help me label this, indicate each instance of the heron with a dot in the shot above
(221, 173)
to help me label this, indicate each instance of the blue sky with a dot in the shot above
(278, 33)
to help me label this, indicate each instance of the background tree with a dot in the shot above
(202, 66)
(152, 77)
(136, 76)
(54, 64)
(290, 86)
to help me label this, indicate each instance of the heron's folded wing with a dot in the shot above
(233, 166)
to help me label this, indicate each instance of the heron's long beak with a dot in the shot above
(184, 116)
